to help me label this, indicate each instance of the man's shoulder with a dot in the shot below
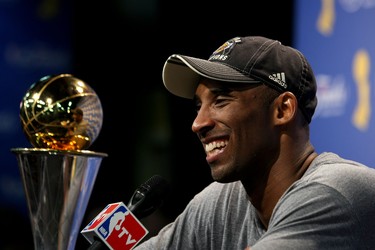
(348, 177)
(328, 163)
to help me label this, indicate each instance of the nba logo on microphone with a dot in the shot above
(117, 227)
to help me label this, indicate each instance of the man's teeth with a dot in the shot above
(216, 144)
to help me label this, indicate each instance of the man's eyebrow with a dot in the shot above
(234, 86)
(220, 90)
(228, 87)
(217, 90)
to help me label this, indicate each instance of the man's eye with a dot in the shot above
(221, 101)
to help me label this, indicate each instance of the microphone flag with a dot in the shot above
(116, 226)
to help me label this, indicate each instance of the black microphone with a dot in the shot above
(145, 200)
(148, 197)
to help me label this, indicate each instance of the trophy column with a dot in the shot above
(58, 186)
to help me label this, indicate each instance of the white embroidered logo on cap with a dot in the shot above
(279, 78)
(222, 53)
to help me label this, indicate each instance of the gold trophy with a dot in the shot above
(61, 117)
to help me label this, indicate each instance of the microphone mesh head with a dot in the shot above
(149, 196)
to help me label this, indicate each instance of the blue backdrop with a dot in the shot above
(338, 38)
(35, 41)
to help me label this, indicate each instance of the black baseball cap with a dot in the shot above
(250, 59)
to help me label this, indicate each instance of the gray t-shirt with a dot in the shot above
(331, 207)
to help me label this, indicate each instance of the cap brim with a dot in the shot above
(181, 74)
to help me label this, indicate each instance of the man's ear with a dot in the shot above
(286, 106)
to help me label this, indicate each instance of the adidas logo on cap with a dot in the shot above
(279, 78)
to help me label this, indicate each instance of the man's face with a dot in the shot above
(77, 117)
(235, 126)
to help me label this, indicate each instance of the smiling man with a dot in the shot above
(255, 99)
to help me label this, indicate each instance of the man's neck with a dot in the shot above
(264, 194)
